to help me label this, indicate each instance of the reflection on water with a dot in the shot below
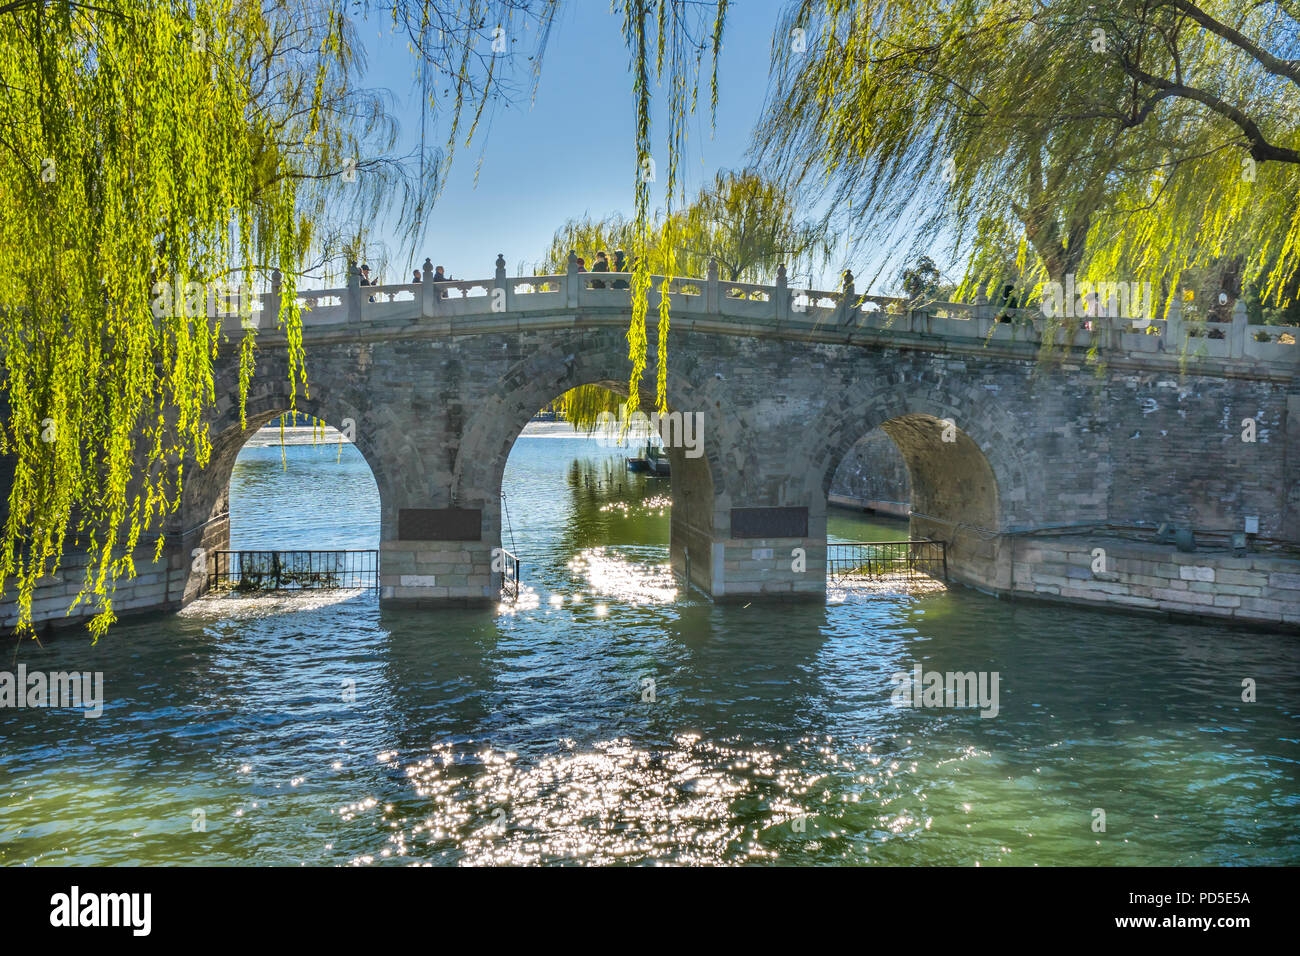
(623, 578)
(602, 720)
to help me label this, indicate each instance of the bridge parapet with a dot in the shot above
(783, 309)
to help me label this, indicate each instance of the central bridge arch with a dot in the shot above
(494, 424)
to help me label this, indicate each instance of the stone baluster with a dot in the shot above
(428, 294)
(1237, 332)
(507, 295)
(781, 295)
(846, 307)
(572, 281)
(271, 302)
(354, 292)
(1120, 324)
(1105, 321)
(1175, 333)
(712, 294)
(982, 316)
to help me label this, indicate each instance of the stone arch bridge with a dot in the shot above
(1023, 468)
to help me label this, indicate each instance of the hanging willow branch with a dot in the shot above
(677, 60)
(1110, 139)
(160, 143)
(129, 158)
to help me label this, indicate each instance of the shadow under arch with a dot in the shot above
(958, 467)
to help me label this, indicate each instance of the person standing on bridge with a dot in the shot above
(416, 277)
(365, 278)
(620, 265)
(601, 265)
(582, 264)
(1007, 301)
(439, 276)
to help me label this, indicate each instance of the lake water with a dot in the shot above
(609, 717)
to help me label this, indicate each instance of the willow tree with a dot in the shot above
(667, 40)
(1221, 182)
(747, 225)
(582, 406)
(150, 142)
(681, 33)
(586, 235)
(155, 140)
(130, 156)
(1129, 137)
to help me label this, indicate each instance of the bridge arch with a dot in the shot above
(966, 468)
(491, 430)
(205, 512)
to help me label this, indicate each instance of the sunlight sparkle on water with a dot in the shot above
(613, 575)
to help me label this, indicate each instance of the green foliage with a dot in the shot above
(1118, 139)
(677, 57)
(154, 168)
(661, 39)
(587, 236)
(746, 224)
(1259, 311)
(582, 406)
(749, 225)
(921, 280)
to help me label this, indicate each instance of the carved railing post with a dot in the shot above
(428, 294)
(572, 283)
(507, 295)
(981, 314)
(1237, 332)
(271, 303)
(846, 307)
(354, 292)
(1175, 334)
(781, 295)
(712, 300)
(1116, 325)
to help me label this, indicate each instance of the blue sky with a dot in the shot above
(571, 150)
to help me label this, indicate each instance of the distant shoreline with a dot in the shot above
(301, 435)
(269, 435)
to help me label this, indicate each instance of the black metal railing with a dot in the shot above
(878, 559)
(292, 570)
(509, 575)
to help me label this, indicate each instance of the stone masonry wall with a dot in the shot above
(1253, 589)
(996, 445)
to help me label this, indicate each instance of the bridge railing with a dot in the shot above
(510, 575)
(851, 560)
(780, 305)
(293, 570)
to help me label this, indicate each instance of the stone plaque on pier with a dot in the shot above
(769, 522)
(439, 524)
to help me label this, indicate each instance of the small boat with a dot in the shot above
(653, 460)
